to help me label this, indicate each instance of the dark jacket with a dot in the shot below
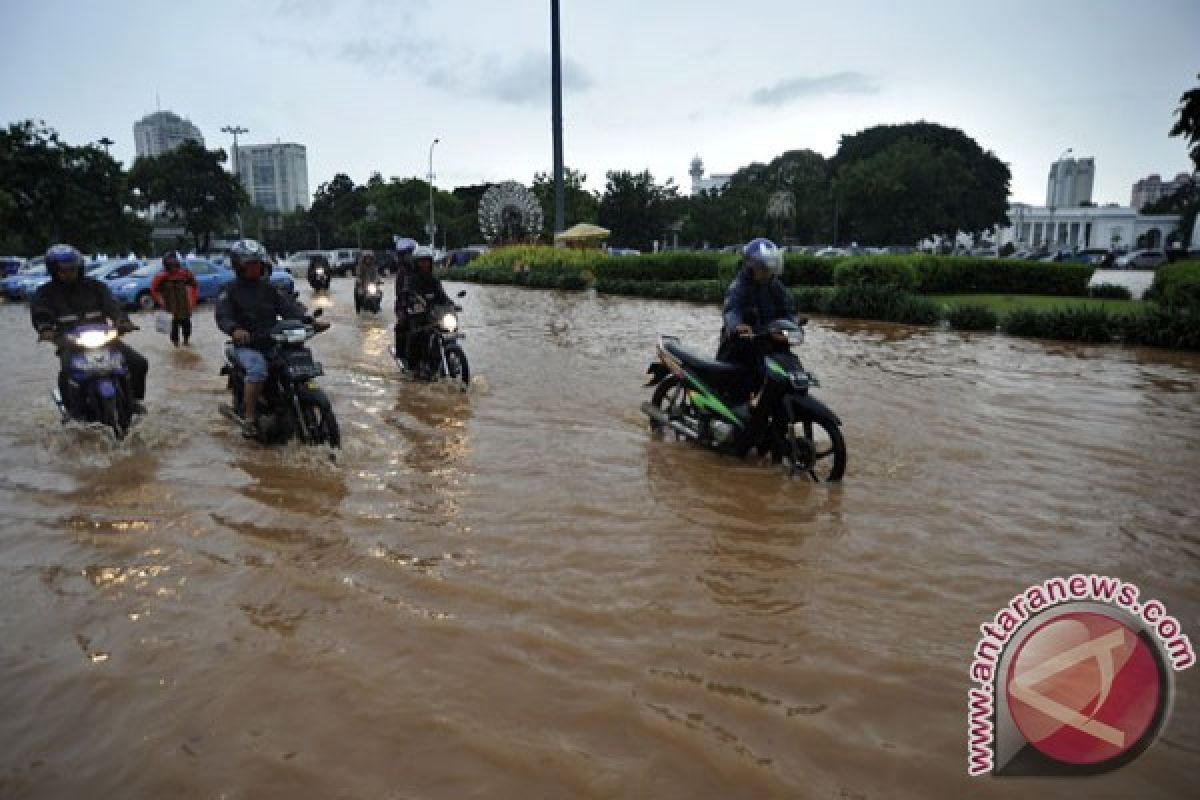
(60, 305)
(175, 290)
(755, 304)
(419, 285)
(254, 306)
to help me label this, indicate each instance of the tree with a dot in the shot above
(981, 208)
(904, 193)
(1188, 124)
(636, 209)
(194, 188)
(56, 192)
(579, 205)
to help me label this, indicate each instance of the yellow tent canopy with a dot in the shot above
(582, 232)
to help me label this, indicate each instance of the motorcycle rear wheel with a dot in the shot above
(670, 397)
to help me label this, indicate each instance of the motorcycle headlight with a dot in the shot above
(93, 339)
(372, 289)
(449, 323)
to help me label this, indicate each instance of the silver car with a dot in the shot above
(1142, 259)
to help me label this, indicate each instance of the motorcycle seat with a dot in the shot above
(707, 368)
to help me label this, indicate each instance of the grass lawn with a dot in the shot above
(1003, 303)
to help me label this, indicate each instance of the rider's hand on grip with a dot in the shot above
(744, 330)
(319, 326)
(46, 335)
(241, 335)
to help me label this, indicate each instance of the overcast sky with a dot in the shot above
(366, 85)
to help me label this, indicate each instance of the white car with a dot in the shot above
(1142, 259)
(297, 263)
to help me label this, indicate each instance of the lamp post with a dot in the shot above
(432, 227)
(370, 217)
(235, 130)
(106, 143)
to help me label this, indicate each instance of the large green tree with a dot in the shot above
(579, 205)
(56, 192)
(193, 187)
(933, 207)
(636, 209)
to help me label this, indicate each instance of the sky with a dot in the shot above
(367, 85)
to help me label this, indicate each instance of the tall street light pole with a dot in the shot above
(235, 130)
(106, 143)
(556, 113)
(432, 224)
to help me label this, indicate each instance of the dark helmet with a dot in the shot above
(171, 259)
(245, 251)
(62, 255)
(763, 253)
(423, 253)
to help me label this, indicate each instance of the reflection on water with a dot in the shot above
(517, 591)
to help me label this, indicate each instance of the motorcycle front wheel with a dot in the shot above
(457, 368)
(320, 420)
(110, 415)
(816, 447)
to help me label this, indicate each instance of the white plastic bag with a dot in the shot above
(162, 321)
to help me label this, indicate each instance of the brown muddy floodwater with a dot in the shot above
(518, 593)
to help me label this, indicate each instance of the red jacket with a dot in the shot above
(172, 288)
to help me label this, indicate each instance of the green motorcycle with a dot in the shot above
(732, 409)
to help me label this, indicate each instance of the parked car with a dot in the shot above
(210, 280)
(10, 265)
(1142, 259)
(343, 262)
(16, 287)
(297, 263)
(831, 252)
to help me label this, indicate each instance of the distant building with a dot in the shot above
(1070, 182)
(701, 183)
(1109, 227)
(1151, 189)
(275, 175)
(155, 134)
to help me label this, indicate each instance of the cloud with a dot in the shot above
(798, 88)
(305, 9)
(526, 80)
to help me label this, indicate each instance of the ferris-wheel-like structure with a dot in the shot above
(510, 213)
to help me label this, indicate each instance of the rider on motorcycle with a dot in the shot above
(417, 293)
(315, 262)
(755, 298)
(71, 298)
(246, 310)
(366, 271)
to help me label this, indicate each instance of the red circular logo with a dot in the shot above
(1084, 688)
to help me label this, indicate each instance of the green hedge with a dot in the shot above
(805, 270)
(883, 303)
(897, 273)
(1177, 285)
(972, 317)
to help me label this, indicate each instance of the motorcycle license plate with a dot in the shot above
(99, 361)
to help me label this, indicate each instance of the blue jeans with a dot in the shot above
(254, 362)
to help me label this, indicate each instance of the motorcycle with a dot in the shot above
(368, 296)
(97, 379)
(711, 402)
(291, 404)
(443, 356)
(319, 279)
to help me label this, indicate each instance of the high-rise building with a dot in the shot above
(275, 175)
(1152, 188)
(155, 134)
(1070, 182)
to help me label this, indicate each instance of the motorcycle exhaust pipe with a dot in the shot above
(662, 420)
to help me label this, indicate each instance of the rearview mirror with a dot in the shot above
(318, 313)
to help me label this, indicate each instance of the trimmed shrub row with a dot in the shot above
(920, 273)
(1177, 285)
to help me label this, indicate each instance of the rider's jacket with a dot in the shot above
(418, 285)
(61, 305)
(254, 306)
(756, 304)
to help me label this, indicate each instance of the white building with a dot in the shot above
(1111, 227)
(275, 175)
(1152, 188)
(155, 134)
(701, 183)
(1070, 182)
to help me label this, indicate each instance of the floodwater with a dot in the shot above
(517, 592)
